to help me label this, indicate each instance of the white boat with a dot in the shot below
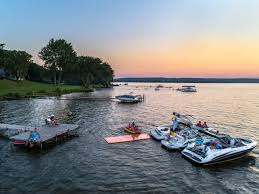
(226, 149)
(159, 133)
(187, 89)
(180, 140)
(130, 98)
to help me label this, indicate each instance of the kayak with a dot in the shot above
(132, 130)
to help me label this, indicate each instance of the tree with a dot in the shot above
(1, 54)
(16, 63)
(94, 70)
(59, 56)
(85, 68)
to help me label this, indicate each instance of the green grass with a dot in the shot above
(16, 89)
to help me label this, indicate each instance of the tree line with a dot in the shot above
(61, 65)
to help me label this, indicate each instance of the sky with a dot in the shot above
(143, 38)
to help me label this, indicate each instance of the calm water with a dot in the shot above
(89, 165)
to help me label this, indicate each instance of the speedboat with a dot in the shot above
(187, 89)
(180, 140)
(217, 148)
(129, 98)
(160, 132)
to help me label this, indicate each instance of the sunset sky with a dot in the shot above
(170, 38)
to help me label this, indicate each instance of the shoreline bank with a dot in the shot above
(13, 90)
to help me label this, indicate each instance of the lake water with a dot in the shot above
(88, 164)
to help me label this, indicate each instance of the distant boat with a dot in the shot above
(160, 86)
(187, 89)
(130, 98)
(157, 88)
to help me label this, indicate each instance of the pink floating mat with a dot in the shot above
(126, 138)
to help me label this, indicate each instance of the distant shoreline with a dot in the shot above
(189, 80)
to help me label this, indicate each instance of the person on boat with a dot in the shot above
(173, 133)
(199, 124)
(204, 125)
(34, 136)
(198, 142)
(175, 124)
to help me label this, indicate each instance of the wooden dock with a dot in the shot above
(47, 133)
(7, 130)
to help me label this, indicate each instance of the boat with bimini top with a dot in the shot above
(217, 148)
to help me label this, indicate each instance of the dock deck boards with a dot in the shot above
(46, 132)
(126, 138)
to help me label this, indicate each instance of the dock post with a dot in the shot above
(40, 145)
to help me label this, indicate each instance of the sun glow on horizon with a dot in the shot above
(170, 38)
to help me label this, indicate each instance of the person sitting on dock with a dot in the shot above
(48, 121)
(53, 120)
(34, 136)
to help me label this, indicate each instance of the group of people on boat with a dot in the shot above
(51, 121)
(214, 143)
(204, 125)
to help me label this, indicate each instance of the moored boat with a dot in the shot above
(187, 89)
(160, 132)
(180, 140)
(217, 148)
(129, 98)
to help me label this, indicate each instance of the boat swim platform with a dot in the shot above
(126, 138)
(46, 132)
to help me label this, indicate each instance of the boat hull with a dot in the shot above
(224, 157)
(173, 146)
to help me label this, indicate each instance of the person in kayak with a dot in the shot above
(34, 137)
